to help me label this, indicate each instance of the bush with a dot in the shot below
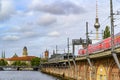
(3, 62)
(35, 61)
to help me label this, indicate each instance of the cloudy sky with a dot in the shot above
(43, 24)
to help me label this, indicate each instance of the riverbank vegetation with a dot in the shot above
(3, 62)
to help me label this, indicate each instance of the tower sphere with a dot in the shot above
(97, 25)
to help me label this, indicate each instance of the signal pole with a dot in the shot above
(68, 53)
(112, 36)
(56, 49)
(87, 43)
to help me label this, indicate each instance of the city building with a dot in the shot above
(46, 54)
(24, 58)
(59, 57)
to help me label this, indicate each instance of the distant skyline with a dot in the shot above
(43, 24)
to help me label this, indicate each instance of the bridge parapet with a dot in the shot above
(99, 54)
(103, 65)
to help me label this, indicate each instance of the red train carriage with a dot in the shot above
(82, 51)
(106, 43)
(117, 39)
(102, 45)
(90, 50)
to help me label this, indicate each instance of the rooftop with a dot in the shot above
(26, 58)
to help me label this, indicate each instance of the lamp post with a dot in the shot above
(112, 36)
(68, 55)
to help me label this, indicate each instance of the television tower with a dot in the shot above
(97, 25)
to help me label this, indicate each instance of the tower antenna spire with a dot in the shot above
(96, 9)
(97, 25)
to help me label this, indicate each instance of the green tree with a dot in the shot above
(24, 64)
(3, 62)
(16, 63)
(19, 63)
(106, 33)
(35, 61)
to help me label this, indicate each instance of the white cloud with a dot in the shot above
(30, 13)
(54, 34)
(30, 34)
(25, 13)
(46, 20)
(58, 8)
(24, 31)
(35, 3)
(11, 38)
(7, 9)
(21, 28)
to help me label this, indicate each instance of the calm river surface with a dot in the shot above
(25, 75)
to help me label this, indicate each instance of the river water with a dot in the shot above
(25, 75)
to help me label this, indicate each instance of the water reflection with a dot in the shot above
(25, 75)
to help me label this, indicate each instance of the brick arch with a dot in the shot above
(79, 68)
(104, 63)
(82, 71)
(114, 72)
(79, 75)
(98, 63)
(88, 72)
(101, 73)
(111, 63)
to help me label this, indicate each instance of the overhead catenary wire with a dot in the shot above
(117, 18)
(117, 24)
(105, 21)
(118, 1)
